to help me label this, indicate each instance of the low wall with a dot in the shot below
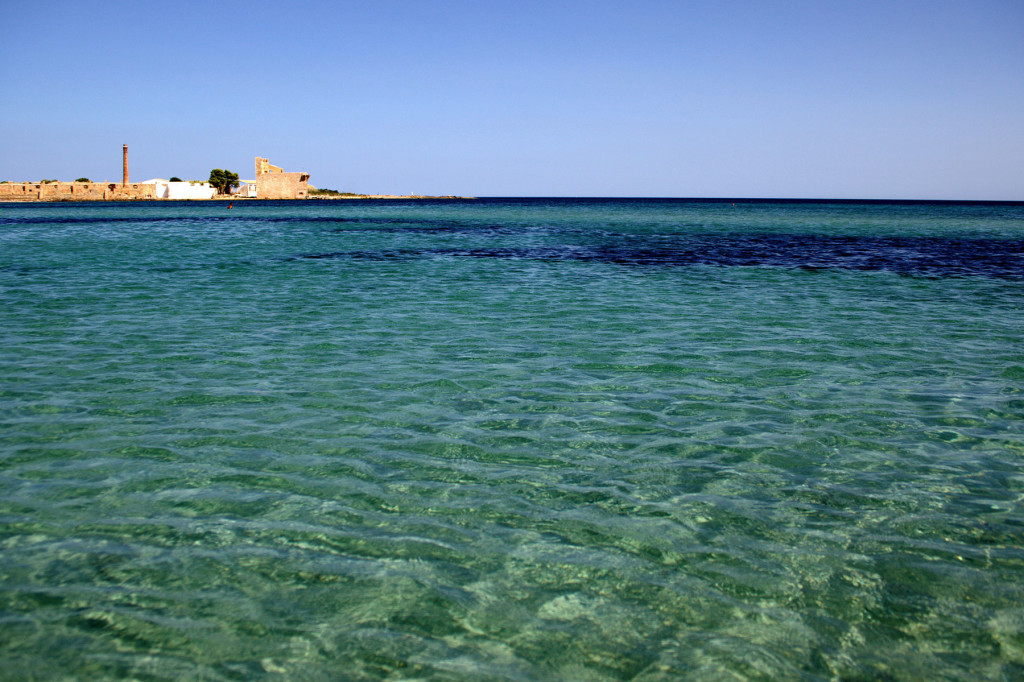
(75, 191)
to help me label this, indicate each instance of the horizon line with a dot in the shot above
(761, 199)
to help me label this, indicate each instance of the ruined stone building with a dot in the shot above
(273, 183)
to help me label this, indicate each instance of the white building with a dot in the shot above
(246, 188)
(165, 189)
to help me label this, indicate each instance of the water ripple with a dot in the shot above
(610, 440)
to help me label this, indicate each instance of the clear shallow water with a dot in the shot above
(512, 440)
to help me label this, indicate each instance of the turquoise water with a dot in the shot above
(504, 439)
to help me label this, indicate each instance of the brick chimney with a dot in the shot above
(125, 180)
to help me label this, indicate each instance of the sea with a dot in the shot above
(512, 439)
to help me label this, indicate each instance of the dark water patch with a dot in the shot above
(27, 269)
(928, 256)
(418, 226)
(383, 255)
(349, 225)
(191, 267)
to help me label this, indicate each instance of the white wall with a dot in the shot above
(188, 190)
(182, 190)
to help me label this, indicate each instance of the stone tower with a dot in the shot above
(263, 165)
(124, 182)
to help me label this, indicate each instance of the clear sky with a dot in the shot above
(916, 99)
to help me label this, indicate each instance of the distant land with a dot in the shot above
(271, 182)
(55, 191)
(331, 194)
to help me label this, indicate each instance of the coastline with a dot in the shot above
(384, 196)
(229, 198)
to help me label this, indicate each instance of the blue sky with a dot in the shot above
(902, 99)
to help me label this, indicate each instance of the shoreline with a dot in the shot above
(382, 196)
(228, 198)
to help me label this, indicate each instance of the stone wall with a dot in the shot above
(75, 191)
(282, 186)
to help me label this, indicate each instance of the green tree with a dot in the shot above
(223, 180)
(175, 178)
(83, 180)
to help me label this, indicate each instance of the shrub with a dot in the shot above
(316, 192)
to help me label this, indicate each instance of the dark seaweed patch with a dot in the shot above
(936, 257)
